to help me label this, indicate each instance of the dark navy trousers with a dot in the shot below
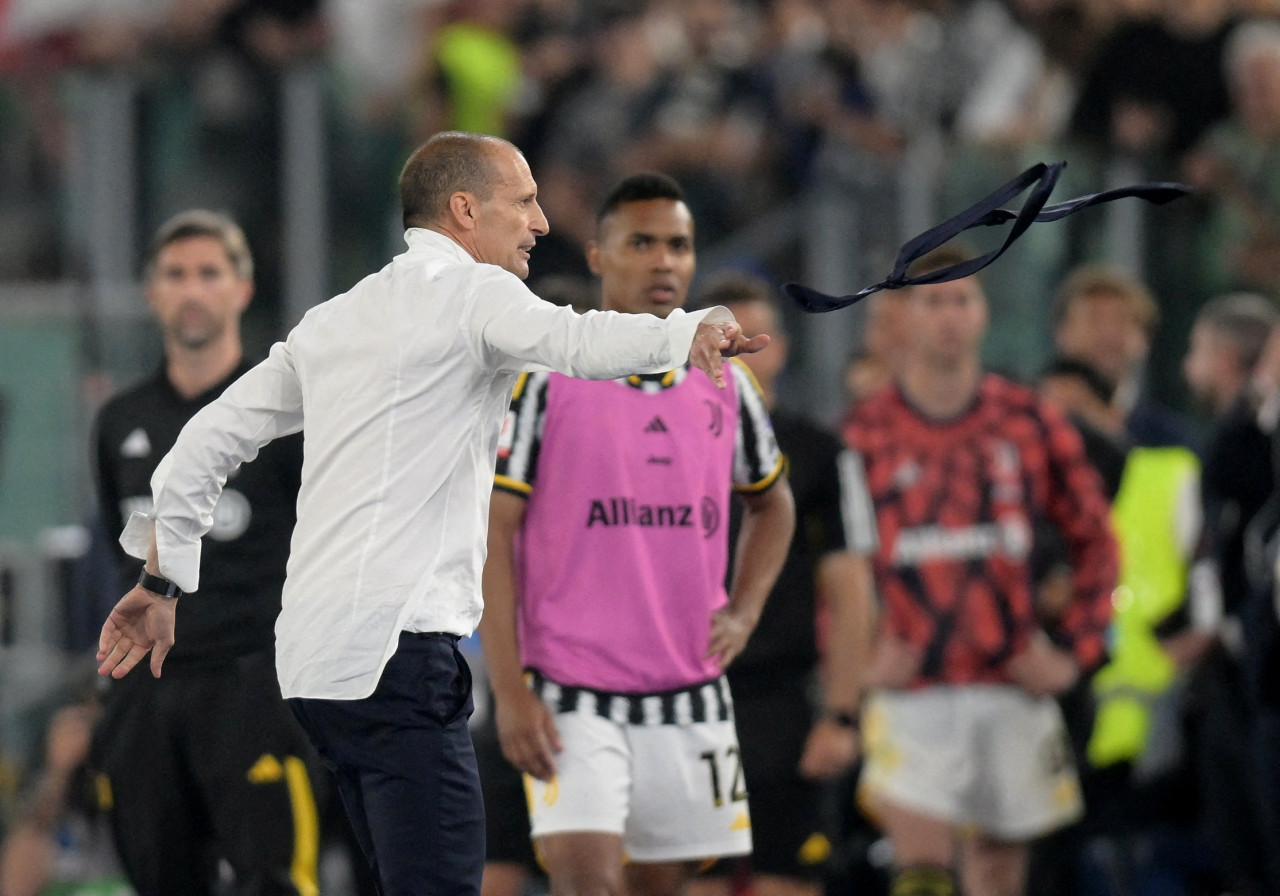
(406, 769)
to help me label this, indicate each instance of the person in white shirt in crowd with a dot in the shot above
(399, 387)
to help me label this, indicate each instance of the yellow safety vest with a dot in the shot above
(1153, 583)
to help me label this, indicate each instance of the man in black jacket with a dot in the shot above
(207, 763)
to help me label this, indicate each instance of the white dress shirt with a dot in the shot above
(400, 387)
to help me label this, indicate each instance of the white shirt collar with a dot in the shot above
(421, 237)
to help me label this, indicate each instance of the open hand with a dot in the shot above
(713, 342)
(140, 622)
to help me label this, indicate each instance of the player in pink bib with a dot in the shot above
(607, 626)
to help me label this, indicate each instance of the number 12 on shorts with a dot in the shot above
(730, 762)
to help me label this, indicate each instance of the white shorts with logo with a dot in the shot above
(988, 757)
(661, 770)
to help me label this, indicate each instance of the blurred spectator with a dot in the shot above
(1126, 724)
(1262, 627)
(1238, 165)
(1106, 318)
(591, 132)
(1005, 89)
(1087, 399)
(1030, 81)
(1226, 343)
(470, 77)
(707, 118)
(1156, 83)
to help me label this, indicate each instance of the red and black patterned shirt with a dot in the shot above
(955, 504)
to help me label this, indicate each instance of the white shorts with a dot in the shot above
(663, 771)
(989, 757)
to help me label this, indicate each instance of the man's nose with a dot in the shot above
(540, 226)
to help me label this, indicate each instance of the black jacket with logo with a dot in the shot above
(243, 557)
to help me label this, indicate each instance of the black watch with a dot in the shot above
(159, 585)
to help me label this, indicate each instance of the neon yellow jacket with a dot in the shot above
(1153, 583)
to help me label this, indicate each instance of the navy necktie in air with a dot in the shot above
(1040, 178)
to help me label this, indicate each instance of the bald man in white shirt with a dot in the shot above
(399, 387)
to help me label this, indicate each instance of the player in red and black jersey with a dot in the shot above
(962, 733)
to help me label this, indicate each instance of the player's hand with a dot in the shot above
(894, 662)
(527, 733)
(141, 621)
(729, 634)
(1043, 669)
(829, 750)
(713, 342)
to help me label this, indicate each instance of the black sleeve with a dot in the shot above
(108, 488)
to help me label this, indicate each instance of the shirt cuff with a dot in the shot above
(179, 559)
(680, 330)
(136, 537)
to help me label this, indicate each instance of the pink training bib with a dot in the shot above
(624, 545)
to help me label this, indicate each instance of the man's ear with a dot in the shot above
(462, 207)
(593, 257)
(246, 295)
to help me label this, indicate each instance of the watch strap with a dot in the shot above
(159, 585)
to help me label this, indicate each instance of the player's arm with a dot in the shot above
(525, 727)
(1077, 506)
(108, 489)
(846, 594)
(768, 521)
(515, 330)
(846, 591)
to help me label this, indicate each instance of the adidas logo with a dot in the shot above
(136, 444)
(656, 425)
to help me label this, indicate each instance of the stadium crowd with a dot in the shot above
(811, 138)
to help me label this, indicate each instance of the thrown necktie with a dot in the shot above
(986, 212)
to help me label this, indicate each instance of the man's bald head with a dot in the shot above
(447, 163)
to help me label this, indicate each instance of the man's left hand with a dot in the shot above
(140, 622)
(713, 342)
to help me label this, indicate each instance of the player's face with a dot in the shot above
(644, 257)
(945, 321)
(195, 291)
(510, 221)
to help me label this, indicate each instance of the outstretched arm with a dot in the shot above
(515, 330)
